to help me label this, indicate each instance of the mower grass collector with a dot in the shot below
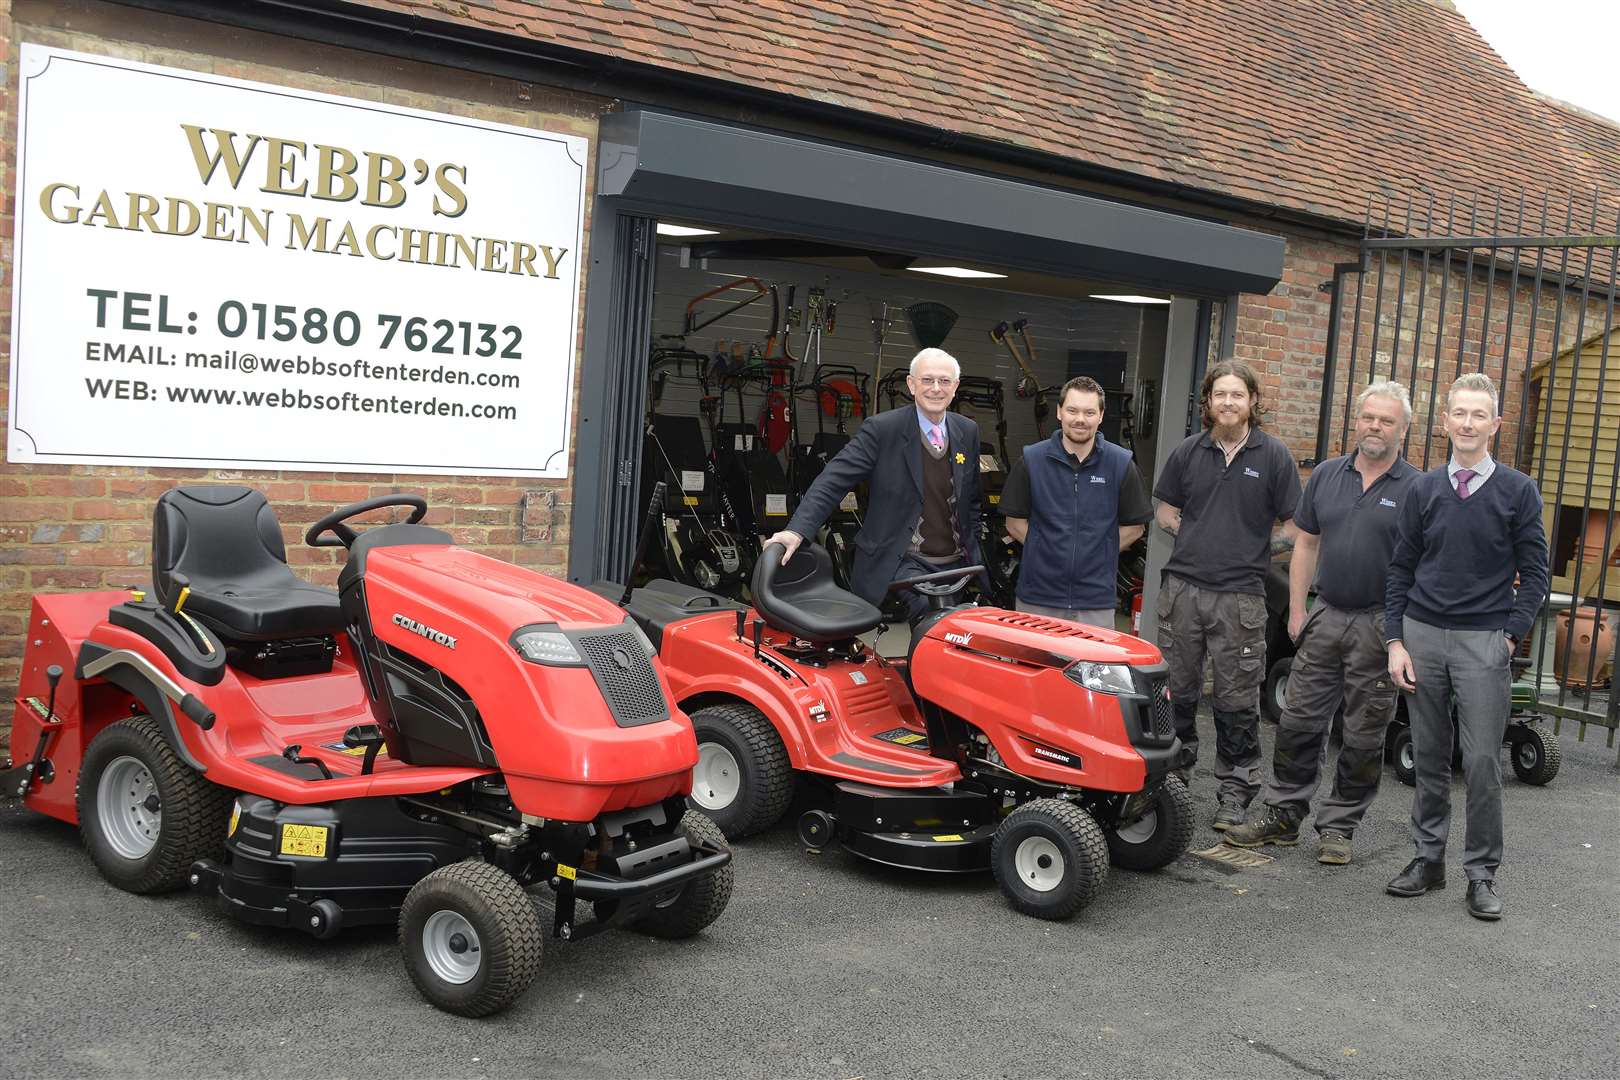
(1035, 748)
(421, 747)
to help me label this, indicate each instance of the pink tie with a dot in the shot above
(935, 439)
(1464, 478)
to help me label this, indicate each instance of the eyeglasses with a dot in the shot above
(941, 381)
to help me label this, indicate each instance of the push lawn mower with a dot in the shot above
(1032, 747)
(422, 746)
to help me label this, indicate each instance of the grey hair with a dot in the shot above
(1475, 380)
(1390, 389)
(935, 354)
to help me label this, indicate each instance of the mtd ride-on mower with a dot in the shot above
(1036, 748)
(422, 746)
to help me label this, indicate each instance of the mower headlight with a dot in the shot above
(641, 636)
(546, 647)
(1102, 678)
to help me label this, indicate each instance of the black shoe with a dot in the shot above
(1230, 816)
(1483, 903)
(1419, 877)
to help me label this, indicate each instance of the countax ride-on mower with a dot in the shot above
(1036, 748)
(420, 747)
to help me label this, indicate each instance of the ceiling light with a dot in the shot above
(684, 230)
(1131, 299)
(955, 271)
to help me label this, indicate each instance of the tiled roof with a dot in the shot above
(1309, 105)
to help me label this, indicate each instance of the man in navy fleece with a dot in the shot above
(1452, 620)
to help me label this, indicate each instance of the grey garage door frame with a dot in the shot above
(655, 165)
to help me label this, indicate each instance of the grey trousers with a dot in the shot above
(1103, 617)
(1341, 657)
(1229, 628)
(1473, 666)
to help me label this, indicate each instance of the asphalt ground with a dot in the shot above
(824, 966)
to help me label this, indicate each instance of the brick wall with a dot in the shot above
(89, 527)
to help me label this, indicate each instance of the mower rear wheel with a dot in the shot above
(1160, 836)
(1050, 858)
(1535, 753)
(470, 937)
(701, 901)
(743, 779)
(144, 815)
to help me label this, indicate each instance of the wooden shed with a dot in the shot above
(1574, 400)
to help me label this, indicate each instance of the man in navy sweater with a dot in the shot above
(1452, 620)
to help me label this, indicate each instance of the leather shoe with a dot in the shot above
(1483, 903)
(1419, 877)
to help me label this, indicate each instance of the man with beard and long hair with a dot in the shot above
(1220, 493)
(1346, 534)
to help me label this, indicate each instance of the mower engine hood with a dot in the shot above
(1038, 640)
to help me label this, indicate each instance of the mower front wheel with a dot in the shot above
(701, 901)
(1160, 836)
(144, 815)
(1402, 756)
(471, 939)
(1050, 858)
(1536, 754)
(743, 779)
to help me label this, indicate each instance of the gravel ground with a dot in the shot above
(824, 966)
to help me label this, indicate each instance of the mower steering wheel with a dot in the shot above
(935, 584)
(343, 536)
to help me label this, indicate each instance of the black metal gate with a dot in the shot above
(1524, 291)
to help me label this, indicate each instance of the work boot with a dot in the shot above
(1229, 816)
(1333, 848)
(1276, 826)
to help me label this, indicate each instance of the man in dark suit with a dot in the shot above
(922, 465)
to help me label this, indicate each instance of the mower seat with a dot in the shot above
(804, 599)
(227, 540)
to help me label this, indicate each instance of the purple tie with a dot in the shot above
(936, 439)
(1464, 478)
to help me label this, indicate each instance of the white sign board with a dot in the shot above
(222, 273)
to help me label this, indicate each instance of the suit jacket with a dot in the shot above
(886, 452)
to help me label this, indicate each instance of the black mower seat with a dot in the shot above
(804, 599)
(227, 540)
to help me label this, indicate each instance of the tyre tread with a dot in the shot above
(512, 968)
(1174, 802)
(766, 800)
(1086, 835)
(194, 812)
(702, 901)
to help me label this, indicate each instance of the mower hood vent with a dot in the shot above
(625, 676)
(1039, 624)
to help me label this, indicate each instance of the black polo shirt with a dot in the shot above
(1357, 529)
(1227, 511)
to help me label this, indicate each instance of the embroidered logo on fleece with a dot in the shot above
(1099, 479)
(1250, 472)
(1387, 502)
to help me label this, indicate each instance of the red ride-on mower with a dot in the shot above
(1033, 747)
(422, 746)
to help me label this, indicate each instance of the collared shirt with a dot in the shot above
(1227, 510)
(1482, 473)
(1357, 528)
(929, 427)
